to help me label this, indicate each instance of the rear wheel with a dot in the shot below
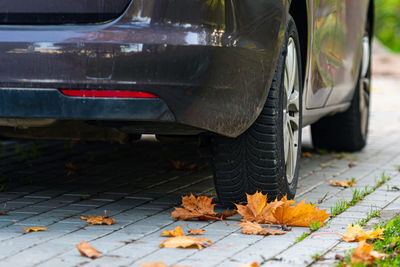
(348, 131)
(265, 157)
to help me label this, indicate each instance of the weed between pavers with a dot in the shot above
(358, 195)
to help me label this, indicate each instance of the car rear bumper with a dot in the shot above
(207, 73)
(51, 103)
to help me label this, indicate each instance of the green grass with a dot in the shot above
(389, 245)
(373, 213)
(358, 194)
(315, 226)
(387, 23)
(302, 237)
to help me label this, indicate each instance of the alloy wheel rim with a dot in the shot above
(291, 110)
(364, 86)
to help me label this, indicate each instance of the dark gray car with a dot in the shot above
(242, 75)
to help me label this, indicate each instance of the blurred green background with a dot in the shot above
(387, 23)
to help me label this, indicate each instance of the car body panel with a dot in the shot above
(211, 62)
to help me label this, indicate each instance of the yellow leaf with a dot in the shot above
(87, 250)
(177, 231)
(365, 254)
(306, 155)
(35, 229)
(196, 231)
(355, 233)
(185, 242)
(253, 228)
(301, 214)
(342, 183)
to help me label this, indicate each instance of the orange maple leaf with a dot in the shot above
(87, 250)
(355, 233)
(301, 214)
(99, 220)
(185, 242)
(254, 264)
(253, 228)
(31, 229)
(280, 211)
(198, 207)
(196, 231)
(177, 231)
(342, 183)
(365, 254)
(258, 209)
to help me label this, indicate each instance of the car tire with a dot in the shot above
(348, 131)
(266, 157)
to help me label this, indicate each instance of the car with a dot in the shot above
(242, 76)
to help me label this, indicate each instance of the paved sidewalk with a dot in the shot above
(138, 186)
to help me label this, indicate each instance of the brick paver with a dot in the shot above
(138, 186)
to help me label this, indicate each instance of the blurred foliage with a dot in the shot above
(387, 23)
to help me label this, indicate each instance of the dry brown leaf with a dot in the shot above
(3, 213)
(180, 165)
(154, 264)
(254, 264)
(253, 228)
(88, 250)
(258, 209)
(196, 231)
(35, 229)
(301, 214)
(365, 254)
(177, 231)
(99, 220)
(198, 207)
(351, 164)
(71, 168)
(306, 155)
(158, 264)
(342, 183)
(185, 242)
(355, 233)
(323, 165)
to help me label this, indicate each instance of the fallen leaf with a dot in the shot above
(355, 233)
(301, 214)
(254, 264)
(180, 165)
(342, 183)
(154, 264)
(177, 231)
(253, 228)
(323, 165)
(35, 229)
(198, 207)
(306, 155)
(281, 211)
(88, 250)
(99, 220)
(158, 264)
(196, 231)
(351, 164)
(71, 168)
(185, 242)
(365, 254)
(3, 213)
(258, 209)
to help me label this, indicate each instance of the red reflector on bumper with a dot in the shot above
(107, 93)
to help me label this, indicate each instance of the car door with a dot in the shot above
(349, 34)
(320, 81)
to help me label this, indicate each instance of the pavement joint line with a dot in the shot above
(341, 241)
(330, 223)
(100, 236)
